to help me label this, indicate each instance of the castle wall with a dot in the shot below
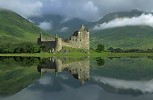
(80, 41)
(49, 44)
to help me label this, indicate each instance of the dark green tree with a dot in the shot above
(100, 48)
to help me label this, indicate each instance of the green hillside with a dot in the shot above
(16, 29)
(125, 37)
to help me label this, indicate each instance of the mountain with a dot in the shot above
(61, 26)
(140, 36)
(15, 29)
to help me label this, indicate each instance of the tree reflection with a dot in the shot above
(100, 61)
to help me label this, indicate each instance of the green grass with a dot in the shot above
(80, 55)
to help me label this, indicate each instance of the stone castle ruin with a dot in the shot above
(79, 39)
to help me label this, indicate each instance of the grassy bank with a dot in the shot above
(78, 54)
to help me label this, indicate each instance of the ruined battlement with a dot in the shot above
(48, 39)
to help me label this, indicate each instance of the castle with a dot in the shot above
(79, 39)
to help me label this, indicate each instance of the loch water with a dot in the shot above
(114, 78)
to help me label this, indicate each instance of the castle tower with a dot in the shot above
(84, 37)
(58, 43)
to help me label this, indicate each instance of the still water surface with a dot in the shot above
(71, 79)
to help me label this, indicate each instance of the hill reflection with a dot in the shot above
(19, 72)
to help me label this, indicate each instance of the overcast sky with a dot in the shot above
(85, 9)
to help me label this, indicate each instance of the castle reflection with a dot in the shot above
(78, 69)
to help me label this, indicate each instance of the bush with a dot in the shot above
(20, 48)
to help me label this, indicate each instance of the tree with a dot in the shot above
(100, 48)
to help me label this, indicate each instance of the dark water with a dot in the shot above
(76, 79)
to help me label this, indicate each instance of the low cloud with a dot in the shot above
(45, 26)
(64, 29)
(144, 19)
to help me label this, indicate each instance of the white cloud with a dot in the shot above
(143, 86)
(121, 22)
(64, 29)
(24, 7)
(45, 26)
